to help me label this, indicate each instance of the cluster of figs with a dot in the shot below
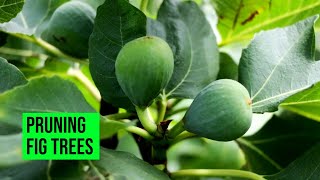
(221, 111)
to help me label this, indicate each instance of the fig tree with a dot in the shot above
(70, 27)
(222, 111)
(143, 68)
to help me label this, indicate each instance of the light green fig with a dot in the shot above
(143, 68)
(222, 111)
(70, 27)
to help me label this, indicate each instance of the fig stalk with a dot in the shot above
(146, 120)
(162, 109)
(176, 130)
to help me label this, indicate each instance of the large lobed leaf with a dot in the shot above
(117, 22)
(184, 26)
(9, 9)
(279, 63)
(240, 19)
(305, 103)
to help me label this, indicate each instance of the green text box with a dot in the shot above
(61, 136)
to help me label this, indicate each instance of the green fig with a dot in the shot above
(70, 27)
(222, 111)
(143, 68)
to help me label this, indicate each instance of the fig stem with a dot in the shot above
(162, 109)
(146, 120)
(182, 136)
(141, 132)
(217, 173)
(176, 130)
(50, 48)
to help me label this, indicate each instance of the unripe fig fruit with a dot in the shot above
(70, 27)
(143, 68)
(221, 111)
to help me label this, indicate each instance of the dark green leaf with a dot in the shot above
(10, 76)
(117, 22)
(279, 63)
(305, 103)
(27, 21)
(66, 170)
(228, 68)
(279, 142)
(41, 95)
(184, 26)
(3, 38)
(9, 9)
(240, 19)
(200, 153)
(305, 167)
(126, 165)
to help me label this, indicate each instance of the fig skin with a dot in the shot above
(143, 68)
(222, 111)
(70, 27)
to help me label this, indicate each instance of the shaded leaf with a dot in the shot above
(184, 26)
(126, 165)
(10, 150)
(34, 170)
(9, 9)
(305, 103)
(240, 19)
(117, 22)
(66, 170)
(10, 75)
(41, 95)
(279, 63)
(279, 142)
(305, 167)
(228, 68)
(200, 153)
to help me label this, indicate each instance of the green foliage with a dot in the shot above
(147, 64)
(152, 58)
(9, 9)
(222, 111)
